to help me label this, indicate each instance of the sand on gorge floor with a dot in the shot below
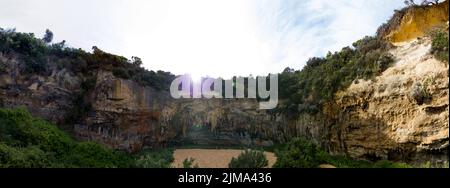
(212, 158)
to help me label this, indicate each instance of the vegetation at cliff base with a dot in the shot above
(26, 141)
(189, 163)
(158, 158)
(298, 153)
(249, 159)
(301, 153)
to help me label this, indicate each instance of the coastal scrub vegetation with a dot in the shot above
(440, 45)
(157, 158)
(28, 142)
(301, 153)
(249, 159)
(38, 55)
(306, 90)
(189, 163)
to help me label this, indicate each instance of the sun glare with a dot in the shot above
(196, 78)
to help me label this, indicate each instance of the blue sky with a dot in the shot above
(204, 37)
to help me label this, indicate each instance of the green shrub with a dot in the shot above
(249, 159)
(26, 157)
(31, 50)
(385, 61)
(2, 67)
(81, 106)
(346, 162)
(340, 161)
(305, 91)
(79, 109)
(440, 45)
(93, 155)
(121, 73)
(298, 153)
(32, 142)
(48, 37)
(430, 164)
(161, 158)
(33, 65)
(189, 163)
(36, 56)
(419, 93)
(389, 164)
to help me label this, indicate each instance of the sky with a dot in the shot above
(218, 38)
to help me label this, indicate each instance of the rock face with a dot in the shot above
(48, 96)
(128, 116)
(380, 118)
(375, 119)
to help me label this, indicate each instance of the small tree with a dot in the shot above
(136, 61)
(189, 163)
(384, 61)
(423, 3)
(298, 153)
(48, 37)
(419, 93)
(249, 159)
(439, 45)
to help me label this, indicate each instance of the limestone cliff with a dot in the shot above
(379, 118)
(372, 119)
(48, 96)
(128, 116)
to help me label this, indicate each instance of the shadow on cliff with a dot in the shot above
(373, 139)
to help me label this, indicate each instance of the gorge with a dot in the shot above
(373, 119)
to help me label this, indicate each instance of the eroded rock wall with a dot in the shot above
(49, 96)
(381, 119)
(128, 116)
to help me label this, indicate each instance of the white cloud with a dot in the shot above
(298, 30)
(204, 37)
